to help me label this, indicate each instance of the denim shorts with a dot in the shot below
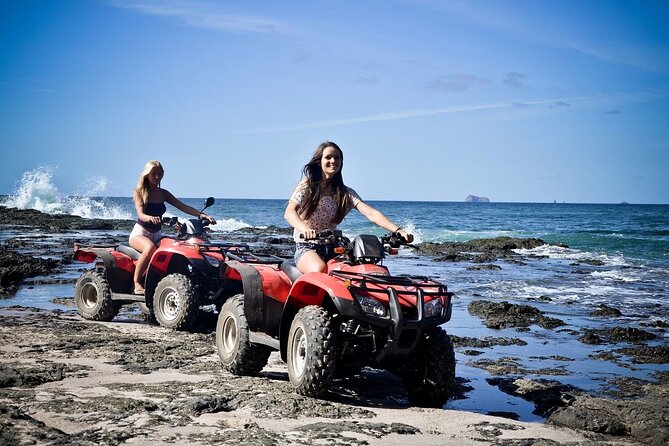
(325, 252)
(140, 230)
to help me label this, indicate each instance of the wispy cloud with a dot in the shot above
(456, 82)
(514, 79)
(496, 16)
(209, 16)
(592, 101)
(399, 115)
(366, 80)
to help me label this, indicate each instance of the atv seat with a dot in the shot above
(289, 267)
(130, 252)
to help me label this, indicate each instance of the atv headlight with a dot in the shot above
(372, 306)
(433, 308)
(213, 261)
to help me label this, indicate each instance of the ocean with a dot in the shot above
(613, 254)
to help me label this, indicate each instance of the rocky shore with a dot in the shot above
(64, 380)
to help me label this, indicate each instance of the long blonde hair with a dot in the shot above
(142, 189)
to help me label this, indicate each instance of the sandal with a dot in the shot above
(138, 292)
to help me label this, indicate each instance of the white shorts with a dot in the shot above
(139, 230)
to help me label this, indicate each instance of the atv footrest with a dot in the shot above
(128, 297)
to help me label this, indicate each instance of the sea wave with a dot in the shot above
(559, 252)
(36, 190)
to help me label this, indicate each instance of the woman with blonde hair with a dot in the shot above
(321, 201)
(150, 201)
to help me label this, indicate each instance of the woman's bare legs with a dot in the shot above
(310, 262)
(147, 248)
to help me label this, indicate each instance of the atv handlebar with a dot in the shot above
(392, 239)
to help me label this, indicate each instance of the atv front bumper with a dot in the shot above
(402, 327)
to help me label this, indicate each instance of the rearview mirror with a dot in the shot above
(209, 202)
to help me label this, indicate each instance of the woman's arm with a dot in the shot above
(174, 201)
(293, 218)
(379, 219)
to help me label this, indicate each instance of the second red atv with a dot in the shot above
(183, 275)
(355, 315)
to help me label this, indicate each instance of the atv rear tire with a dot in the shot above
(311, 351)
(175, 303)
(92, 295)
(238, 355)
(430, 378)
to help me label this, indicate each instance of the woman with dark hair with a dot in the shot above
(150, 200)
(321, 201)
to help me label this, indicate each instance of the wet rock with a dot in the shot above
(647, 355)
(591, 338)
(640, 412)
(13, 217)
(487, 342)
(271, 229)
(615, 334)
(479, 250)
(504, 314)
(546, 395)
(22, 375)
(487, 266)
(511, 366)
(606, 311)
(15, 267)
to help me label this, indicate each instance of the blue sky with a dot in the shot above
(529, 101)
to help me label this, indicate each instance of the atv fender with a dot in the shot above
(312, 288)
(118, 266)
(254, 300)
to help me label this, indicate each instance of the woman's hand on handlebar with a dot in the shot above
(209, 218)
(310, 234)
(408, 238)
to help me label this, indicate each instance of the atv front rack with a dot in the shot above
(424, 286)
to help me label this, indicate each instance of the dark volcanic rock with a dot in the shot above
(22, 375)
(615, 334)
(14, 267)
(546, 395)
(33, 218)
(607, 311)
(479, 250)
(647, 355)
(505, 314)
(486, 342)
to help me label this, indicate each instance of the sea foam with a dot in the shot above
(36, 190)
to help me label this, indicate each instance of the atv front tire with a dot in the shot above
(311, 351)
(92, 295)
(238, 355)
(430, 377)
(175, 303)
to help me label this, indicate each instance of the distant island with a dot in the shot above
(476, 199)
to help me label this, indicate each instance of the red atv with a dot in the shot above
(183, 274)
(353, 316)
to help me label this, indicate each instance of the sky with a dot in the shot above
(518, 101)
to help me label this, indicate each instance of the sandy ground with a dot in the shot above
(64, 380)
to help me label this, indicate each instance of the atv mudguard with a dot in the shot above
(118, 267)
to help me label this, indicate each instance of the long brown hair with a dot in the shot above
(313, 172)
(142, 189)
